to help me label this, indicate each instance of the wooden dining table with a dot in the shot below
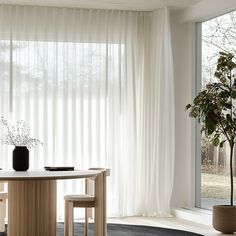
(32, 200)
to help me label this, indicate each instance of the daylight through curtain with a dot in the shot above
(96, 87)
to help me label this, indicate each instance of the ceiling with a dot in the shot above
(136, 5)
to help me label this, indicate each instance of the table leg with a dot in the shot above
(32, 208)
(100, 219)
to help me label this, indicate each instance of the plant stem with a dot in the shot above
(231, 148)
(231, 174)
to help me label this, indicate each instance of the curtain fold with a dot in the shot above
(96, 87)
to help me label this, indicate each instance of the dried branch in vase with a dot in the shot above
(18, 135)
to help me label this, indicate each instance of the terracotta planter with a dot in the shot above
(224, 218)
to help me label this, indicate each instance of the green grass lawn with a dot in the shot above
(216, 186)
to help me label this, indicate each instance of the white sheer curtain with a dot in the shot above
(156, 119)
(96, 86)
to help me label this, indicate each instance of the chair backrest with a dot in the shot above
(89, 182)
(107, 170)
(2, 186)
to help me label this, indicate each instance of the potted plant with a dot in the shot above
(19, 136)
(215, 108)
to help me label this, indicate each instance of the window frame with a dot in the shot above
(197, 128)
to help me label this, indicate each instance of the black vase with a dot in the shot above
(20, 158)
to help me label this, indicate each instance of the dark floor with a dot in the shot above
(125, 230)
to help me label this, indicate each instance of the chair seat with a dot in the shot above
(80, 198)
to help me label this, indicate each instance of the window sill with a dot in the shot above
(197, 215)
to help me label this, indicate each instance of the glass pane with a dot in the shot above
(218, 34)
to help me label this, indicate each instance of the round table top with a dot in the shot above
(46, 175)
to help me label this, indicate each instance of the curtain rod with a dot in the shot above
(81, 8)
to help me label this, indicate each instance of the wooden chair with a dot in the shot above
(3, 198)
(86, 201)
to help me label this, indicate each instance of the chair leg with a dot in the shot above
(86, 222)
(66, 219)
(69, 219)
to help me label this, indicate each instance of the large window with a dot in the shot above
(218, 34)
(62, 90)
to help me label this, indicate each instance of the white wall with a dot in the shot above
(183, 41)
